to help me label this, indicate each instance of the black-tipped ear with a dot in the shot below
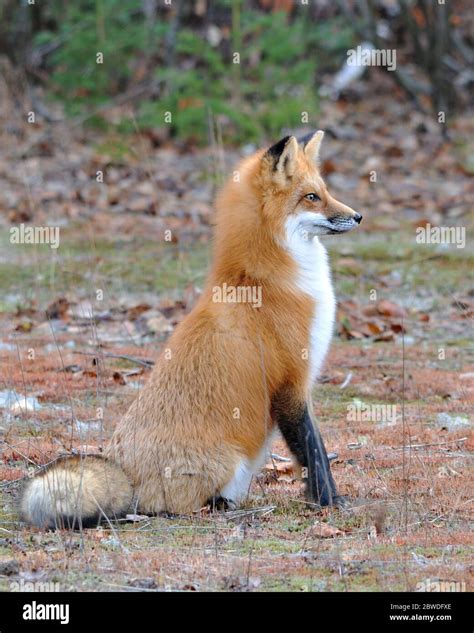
(276, 150)
(282, 159)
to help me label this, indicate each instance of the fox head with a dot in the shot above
(275, 201)
(294, 193)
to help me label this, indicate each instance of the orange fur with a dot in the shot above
(206, 406)
(180, 441)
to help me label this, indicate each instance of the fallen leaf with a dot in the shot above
(118, 378)
(370, 310)
(24, 326)
(324, 530)
(58, 309)
(374, 328)
(134, 312)
(390, 309)
(398, 328)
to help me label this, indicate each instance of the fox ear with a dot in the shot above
(311, 149)
(282, 158)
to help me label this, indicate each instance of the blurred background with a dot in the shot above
(120, 118)
(169, 56)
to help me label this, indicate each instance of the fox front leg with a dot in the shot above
(291, 413)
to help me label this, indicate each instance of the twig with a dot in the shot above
(279, 458)
(133, 359)
(347, 380)
(240, 514)
(401, 448)
(460, 455)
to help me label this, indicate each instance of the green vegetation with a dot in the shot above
(166, 268)
(253, 75)
(162, 268)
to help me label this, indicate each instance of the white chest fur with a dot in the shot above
(314, 278)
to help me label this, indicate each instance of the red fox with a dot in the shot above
(234, 370)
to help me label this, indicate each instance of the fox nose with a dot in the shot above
(358, 218)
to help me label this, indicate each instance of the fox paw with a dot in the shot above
(341, 502)
(221, 503)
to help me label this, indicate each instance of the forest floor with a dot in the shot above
(401, 357)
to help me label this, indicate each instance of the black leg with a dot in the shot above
(306, 443)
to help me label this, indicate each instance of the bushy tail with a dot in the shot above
(76, 492)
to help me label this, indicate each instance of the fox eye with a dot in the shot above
(312, 197)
